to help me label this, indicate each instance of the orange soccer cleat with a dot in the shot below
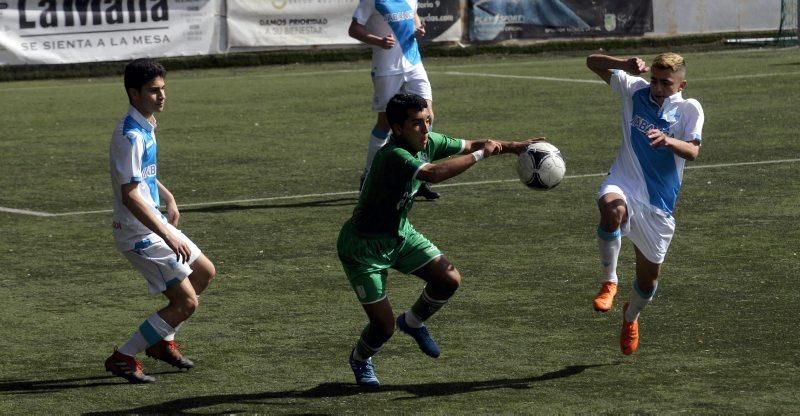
(629, 336)
(605, 297)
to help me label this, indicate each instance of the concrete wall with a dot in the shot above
(673, 17)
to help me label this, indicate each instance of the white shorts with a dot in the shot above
(159, 265)
(387, 86)
(647, 227)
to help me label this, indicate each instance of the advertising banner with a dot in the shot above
(69, 31)
(443, 20)
(286, 23)
(493, 20)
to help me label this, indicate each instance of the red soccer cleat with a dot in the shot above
(128, 368)
(169, 352)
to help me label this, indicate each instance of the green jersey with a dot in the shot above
(389, 189)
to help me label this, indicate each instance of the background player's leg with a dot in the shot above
(378, 138)
(613, 213)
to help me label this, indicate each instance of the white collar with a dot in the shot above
(150, 126)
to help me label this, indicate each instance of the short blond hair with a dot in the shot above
(671, 61)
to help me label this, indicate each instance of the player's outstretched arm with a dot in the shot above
(138, 207)
(438, 172)
(505, 147)
(604, 65)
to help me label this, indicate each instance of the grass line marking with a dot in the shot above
(341, 193)
(26, 212)
(532, 77)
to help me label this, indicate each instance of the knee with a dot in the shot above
(212, 271)
(612, 216)
(447, 284)
(187, 306)
(453, 280)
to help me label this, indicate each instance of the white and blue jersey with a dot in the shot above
(652, 175)
(384, 17)
(133, 159)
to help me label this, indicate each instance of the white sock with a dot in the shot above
(609, 245)
(412, 320)
(377, 139)
(638, 301)
(135, 345)
(171, 337)
(154, 329)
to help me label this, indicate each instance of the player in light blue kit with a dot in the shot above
(660, 131)
(391, 27)
(148, 239)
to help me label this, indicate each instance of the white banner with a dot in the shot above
(287, 23)
(68, 31)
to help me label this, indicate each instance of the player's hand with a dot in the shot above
(179, 247)
(420, 30)
(657, 138)
(636, 66)
(491, 148)
(387, 42)
(520, 146)
(173, 215)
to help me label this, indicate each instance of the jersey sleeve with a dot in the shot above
(128, 158)
(625, 85)
(363, 12)
(692, 120)
(441, 146)
(404, 165)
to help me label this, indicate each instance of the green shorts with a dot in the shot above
(366, 260)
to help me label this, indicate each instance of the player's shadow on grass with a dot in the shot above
(330, 390)
(244, 207)
(47, 386)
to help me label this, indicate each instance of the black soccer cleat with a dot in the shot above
(426, 192)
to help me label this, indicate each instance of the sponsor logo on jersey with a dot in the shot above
(149, 170)
(643, 125)
(399, 16)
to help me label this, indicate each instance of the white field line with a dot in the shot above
(330, 194)
(290, 73)
(26, 212)
(533, 77)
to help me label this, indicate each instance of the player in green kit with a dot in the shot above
(379, 236)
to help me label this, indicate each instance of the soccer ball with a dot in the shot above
(541, 166)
